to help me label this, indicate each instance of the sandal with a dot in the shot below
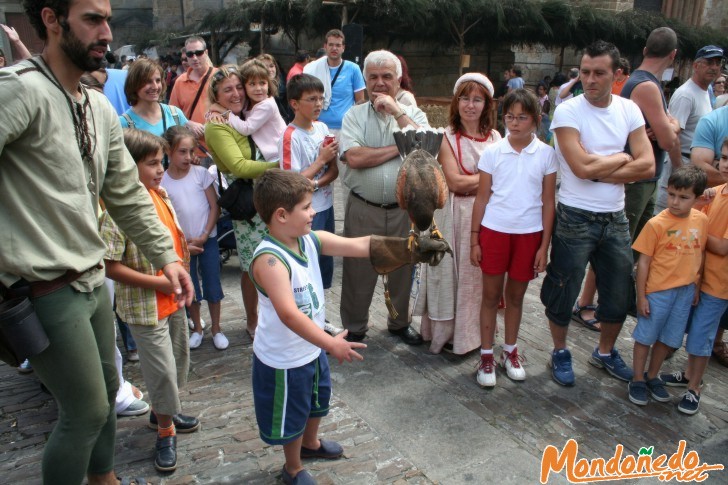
(591, 324)
(720, 352)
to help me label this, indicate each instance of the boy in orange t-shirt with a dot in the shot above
(145, 300)
(713, 291)
(671, 248)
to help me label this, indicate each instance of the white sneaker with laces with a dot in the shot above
(511, 361)
(220, 341)
(486, 371)
(195, 340)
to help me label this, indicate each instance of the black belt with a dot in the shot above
(374, 204)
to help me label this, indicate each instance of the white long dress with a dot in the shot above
(450, 293)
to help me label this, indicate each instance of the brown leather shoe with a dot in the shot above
(720, 352)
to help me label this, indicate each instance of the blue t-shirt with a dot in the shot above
(516, 83)
(711, 131)
(157, 129)
(114, 89)
(350, 81)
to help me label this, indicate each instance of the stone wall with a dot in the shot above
(716, 14)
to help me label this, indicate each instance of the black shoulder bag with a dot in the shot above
(237, 199)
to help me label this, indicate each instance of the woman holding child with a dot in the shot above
(233, 156)
(449, 293)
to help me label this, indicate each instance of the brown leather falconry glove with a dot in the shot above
(390, 253)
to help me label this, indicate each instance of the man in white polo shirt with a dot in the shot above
(591, 226)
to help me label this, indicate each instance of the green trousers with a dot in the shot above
(78, 368)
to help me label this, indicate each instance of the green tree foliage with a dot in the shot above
(460, 24)
(228, 28)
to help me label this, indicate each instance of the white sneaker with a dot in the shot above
(486, 370)
(220, 341)
(332, 330)
(195, 340)
(192, 324)
(512, 363)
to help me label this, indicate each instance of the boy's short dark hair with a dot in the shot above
(517, 70)
(689, 177)
(600, 48)
(528, 101)
(278, 188)
(142, 144)
(625, 66)
(303, 83)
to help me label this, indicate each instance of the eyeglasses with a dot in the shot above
(195, 53)
(521, 118)
(314, 99)
(719, 82)
(713, 61)
(466, 100)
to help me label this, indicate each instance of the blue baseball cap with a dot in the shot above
(708, 52)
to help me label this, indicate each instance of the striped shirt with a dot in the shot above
(138, 306)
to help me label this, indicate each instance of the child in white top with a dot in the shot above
(262, 120)
(511, 228)
(190, 187)
(304, 149)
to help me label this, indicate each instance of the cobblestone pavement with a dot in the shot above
(403, 415)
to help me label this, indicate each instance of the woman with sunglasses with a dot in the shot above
(449, 297)
(144, 88)
(231, 152)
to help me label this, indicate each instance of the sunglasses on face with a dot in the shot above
(195, 53)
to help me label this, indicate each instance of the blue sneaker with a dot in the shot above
(561, 370)
(637, 391)
(690, 403)
(613, 364)
(657, 389)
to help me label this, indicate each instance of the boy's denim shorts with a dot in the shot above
(207, 264)
(704, 324)
(669, 313)
(286, 398)
(581, 237)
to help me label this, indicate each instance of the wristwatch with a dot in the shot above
(315, 185)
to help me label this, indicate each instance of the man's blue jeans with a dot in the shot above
(581, 237)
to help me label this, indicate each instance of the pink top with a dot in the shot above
(264, 124)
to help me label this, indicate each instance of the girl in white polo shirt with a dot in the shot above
(511, 227)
